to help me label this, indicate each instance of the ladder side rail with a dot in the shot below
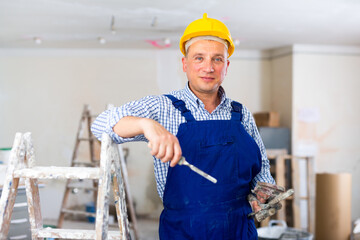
(78, 136)
(30, 152)
(90, 135)
(10, 186)
(33, 200)
(64, 203)
(32, 190)
(311, 191)
(118, 203)
(102, 206)
(120, 195)
(127, 193)
(92, 142)
(295, 178)
(280, 180)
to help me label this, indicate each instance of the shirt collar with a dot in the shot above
(194, 100)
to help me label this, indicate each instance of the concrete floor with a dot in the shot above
(147, 227)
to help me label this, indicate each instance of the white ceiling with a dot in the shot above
(256, 24)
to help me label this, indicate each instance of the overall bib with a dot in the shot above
(194, 207)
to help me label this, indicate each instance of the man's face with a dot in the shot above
(206, 66)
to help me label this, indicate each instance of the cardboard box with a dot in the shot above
(267, 119)
(333, 206)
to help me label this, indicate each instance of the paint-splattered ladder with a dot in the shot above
(22, 166)
(84, 137)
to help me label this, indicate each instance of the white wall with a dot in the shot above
(249, 81)
(326, 111)
(43, 91)
(315, 90)
(281, 88)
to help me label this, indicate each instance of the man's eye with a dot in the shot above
(199, 58)
(218, 59)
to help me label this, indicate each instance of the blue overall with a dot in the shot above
(194, 207)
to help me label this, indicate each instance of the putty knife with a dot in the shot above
(195, 169)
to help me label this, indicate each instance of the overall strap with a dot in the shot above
(236, 112)
(180, 105)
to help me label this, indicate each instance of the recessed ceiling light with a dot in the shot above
(154, 22)
(236, 42)
(112, 25)
(37, 40)
(167, 41)
(101, 40)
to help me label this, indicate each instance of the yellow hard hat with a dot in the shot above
(207, 27)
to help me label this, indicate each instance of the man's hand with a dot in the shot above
(162, 143)
(260, 198)
(255, 206)
(254, 203)
(265, 199)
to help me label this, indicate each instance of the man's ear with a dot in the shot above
(184, 64)
(228, 63)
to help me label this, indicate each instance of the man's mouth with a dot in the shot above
(207, 78)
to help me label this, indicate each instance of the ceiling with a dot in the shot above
(255, 24)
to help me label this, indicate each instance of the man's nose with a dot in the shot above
(208, 66)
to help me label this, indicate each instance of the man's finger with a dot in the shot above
(169, 153)
(262, 197)
(255, 206)
(154, 148)
(177, 155)
(161, 153)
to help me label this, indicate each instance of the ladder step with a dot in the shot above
(76, 212)
(73, 234)
(58, 173)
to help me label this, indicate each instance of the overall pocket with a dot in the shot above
(217, 157)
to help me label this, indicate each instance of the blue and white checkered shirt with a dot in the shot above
(160, 109)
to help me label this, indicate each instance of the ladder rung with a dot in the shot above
(84, 164)
(76, 212)
(73, 234)
(83, 188)
(58, 173)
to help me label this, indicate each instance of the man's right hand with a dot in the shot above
(164, 145)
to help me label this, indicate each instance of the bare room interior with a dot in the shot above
(295, 67)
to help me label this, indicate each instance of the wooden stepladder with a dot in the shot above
(22, 166)
(85, 137)
(72, 184)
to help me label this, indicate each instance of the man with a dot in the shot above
(212, 132)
